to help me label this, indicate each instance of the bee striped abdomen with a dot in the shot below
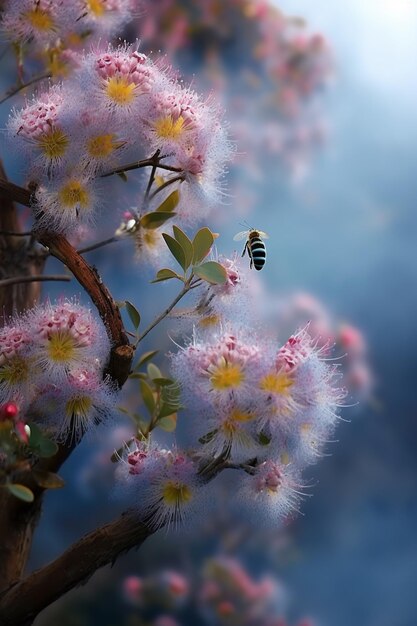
(257, 252)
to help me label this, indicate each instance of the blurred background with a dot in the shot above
(322, 103)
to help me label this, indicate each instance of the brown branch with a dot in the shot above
(122, 352)
(35, 278)
(14, 193)
(25, 600)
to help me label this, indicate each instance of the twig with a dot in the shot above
(166, 184)
(99, 244)
(151, 177)
(143, 163)
(32, 279)
(160, 317)
(17, 233)
(14, 90)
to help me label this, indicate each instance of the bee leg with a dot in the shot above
(244, 249)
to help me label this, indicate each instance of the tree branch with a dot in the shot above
(14, 193)
(20, 604)
(35, 278)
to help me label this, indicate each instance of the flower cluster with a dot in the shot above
(52, 28)
(163, 485)
(302, 309)
(118, 106)
(275, 59)
(220, 591)
(51, 363)
(269, 410)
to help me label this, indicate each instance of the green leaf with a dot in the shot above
(202, 244)
(186, 245)
(21, 492)
(170, 395)
(168, 423)
(208, 436)
(146, 356)
(48, 480)
(176, 249)
(264, 439)
(123, 176)
(212, 272)
(35, 435)
(147, 395)
(155, 219)
(153, 371)
(169, 204)
(140, 375)
(162, 382)
(41, 445)
(165, 274)
(133, 314)
(47, 448)
(168, 409)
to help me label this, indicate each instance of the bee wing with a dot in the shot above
(242, 235)
(263, 235)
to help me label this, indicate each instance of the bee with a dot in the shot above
(254, 245)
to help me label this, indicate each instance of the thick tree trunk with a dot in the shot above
(17, 519)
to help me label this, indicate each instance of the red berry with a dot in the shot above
(9, 411)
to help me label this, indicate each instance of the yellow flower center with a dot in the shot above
(56, 66)
(79, 406)
(40, 20)
(15, 371)
(120, 90)
(285, 458)
(226, 375)
(277, 383)
(236, 417)
(209, 320)
(102, 146)
(74, 194)
(53, 143)
(240, 416)
(175, 494)
(167, 128)
(96, 7)
(61, 346)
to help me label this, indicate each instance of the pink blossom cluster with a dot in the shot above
(348, 341)
(269, 410)
(163, 485)
(47, 23)
(167, 588)
(222, 592)
(278, 68)
(52, 361)
(229, 595)
(117, 107)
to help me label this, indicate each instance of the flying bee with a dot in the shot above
(254, 245)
